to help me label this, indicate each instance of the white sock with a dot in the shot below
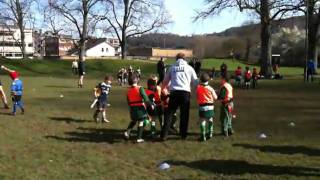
(104, 116)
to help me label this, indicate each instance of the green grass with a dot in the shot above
(57, 138)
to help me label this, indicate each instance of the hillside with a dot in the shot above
(298, 21)
(243, 41)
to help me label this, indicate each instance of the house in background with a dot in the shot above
(58, 45)
(97, 48)
(10, 42)
(116, 44)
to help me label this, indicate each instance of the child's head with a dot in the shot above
(239, 67)
(152, 82)
(133, 80)
(108, 79)
(204, 77)
(247, 68)
(14, 75)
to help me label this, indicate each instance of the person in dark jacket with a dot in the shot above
(161, 70)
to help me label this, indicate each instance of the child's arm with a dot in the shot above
(96, 93)
(7, 69)
(214, 94)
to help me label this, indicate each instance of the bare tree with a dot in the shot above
(82, 14)
(17, 12)
(267, 10)
(129, 18)
(312, 10)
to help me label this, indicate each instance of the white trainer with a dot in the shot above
(106, 120)
(126, 135)
(140, 140)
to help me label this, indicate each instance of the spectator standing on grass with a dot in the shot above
(213, 72)
(223, 70)
(75, 67)
(197, 66)
(3, 97)
(192, 63)
(161, 70)
(180, 77)
(310, 70)
(81, 69)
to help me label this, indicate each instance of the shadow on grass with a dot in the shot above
(234, 167)
(282, 149)
(69, 120)
(92, 135)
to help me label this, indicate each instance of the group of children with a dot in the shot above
(125, 73)
(146, 106)
(16, 91)
(250, 79)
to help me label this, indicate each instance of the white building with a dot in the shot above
(10, 42)
(97, 48)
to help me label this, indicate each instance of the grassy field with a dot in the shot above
(58, 139)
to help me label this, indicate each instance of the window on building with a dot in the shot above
(18, 55)
(102, 50)
(107, 49)
(30, 45)
(9, 55)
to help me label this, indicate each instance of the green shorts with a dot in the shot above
(138, 113)
(206, 114)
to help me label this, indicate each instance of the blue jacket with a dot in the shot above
(17, 87)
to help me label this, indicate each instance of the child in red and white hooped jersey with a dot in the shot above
(152, 112)
(206, 96)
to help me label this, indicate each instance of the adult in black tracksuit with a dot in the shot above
(180, 77)
(161, 70)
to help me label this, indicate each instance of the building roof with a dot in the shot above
(90, 44)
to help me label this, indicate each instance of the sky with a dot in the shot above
(182, 12)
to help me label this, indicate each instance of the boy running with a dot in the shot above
(101, 92)
(137, 100)
(206, 97)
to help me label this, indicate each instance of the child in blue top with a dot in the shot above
(16, 90)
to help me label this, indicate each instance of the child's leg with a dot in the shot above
(14, 110)
(104, 115)
(153, 126)
(203, 129)
(3, 97)
(20, 105)
(96, 114)
(159, 111)
(210, 127)
(140, 129)
(131, 125)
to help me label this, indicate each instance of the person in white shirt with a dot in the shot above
(179, 79)
(75, 67)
